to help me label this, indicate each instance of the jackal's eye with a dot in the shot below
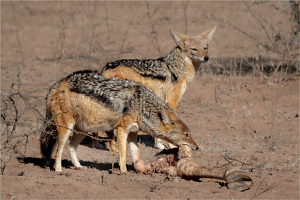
(194, 49)
(205, 48)
(186, 135)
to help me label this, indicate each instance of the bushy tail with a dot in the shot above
(47, 142)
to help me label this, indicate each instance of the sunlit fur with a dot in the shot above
(87, 102)
(168, 76)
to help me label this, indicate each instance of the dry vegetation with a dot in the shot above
(242, 108)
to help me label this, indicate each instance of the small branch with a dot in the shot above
(269, 188)
(295, 13)
(63, 35)
(228, 161)
(82, 133)
(16, 136)
(17, 34)
(254, 69)
(18, 123)
(185, 17)
(154, 32)
(126, 33)
(216, 94)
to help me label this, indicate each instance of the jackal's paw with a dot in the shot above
(123, 172)
(81, 168)
(238, 180)
(58, 170)
(114, 149)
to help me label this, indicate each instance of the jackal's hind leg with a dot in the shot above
(95, 141)
(77, 138)
(112, 141)
(63, 137)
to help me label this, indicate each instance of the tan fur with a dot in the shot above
(174, 93)
(110, 144)
(68, 107)
(125, 73)
(191, 53)
(166, 90)
(87, 102)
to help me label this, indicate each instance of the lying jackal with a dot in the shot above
(86, 102)
(169, 76)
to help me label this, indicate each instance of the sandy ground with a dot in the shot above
(231, 116)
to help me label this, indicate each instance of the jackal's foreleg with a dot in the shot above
(77, 138)
(122, 139)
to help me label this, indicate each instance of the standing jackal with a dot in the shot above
(86, 102)
(169, 76)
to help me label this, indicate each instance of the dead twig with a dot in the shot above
(265, 190)
(185, 17)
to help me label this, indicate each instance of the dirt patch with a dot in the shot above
(231, 115)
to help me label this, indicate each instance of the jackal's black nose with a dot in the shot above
(206, 58)
(197, 148)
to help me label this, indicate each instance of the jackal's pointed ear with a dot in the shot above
(166, 116)
(207, 35)
(178, 38)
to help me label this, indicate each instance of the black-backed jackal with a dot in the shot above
(86, 102)
(168, 76)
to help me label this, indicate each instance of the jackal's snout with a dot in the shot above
(206, 58)
(193, 144)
